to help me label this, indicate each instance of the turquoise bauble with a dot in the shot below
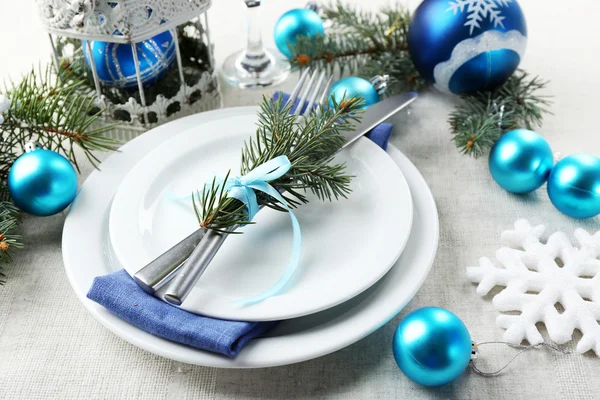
(574, 186)
(467, 46)
(520, 161)
(432, 346)
(351, 86)
(300, 21)
(115, 65)
(42, 182)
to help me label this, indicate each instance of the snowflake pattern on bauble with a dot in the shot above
(555, 283)
(478, 10)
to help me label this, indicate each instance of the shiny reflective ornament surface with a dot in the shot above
(300, 21)
(520, 161)
(432, 346)
(468, 45)
(115, 63)
(42, 182)
(351, 86)
(574, 186)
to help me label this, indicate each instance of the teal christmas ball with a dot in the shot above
(574, 186)
(467, 46)
(42, 182)
(300, 21)
(351, 86)
(520, 161)
(432, 346)
(115, 62)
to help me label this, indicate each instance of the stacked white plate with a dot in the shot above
(363, 258)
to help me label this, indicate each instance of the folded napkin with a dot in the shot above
(119, 293)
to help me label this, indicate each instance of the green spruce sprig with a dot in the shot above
(480, 119)
(362, 43)
(309, 143)
(57, 112)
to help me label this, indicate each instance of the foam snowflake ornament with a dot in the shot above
(554, 282)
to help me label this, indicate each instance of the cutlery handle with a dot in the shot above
(160, 271)
(194, 267)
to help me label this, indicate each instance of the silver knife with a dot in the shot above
(197, 250)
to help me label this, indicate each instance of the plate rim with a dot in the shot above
(142, 175)
(189, 355)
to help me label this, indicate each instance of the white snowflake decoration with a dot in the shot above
(554, 283)
(478, 10)
(4, 106)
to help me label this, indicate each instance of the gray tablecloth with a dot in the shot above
(50, 347)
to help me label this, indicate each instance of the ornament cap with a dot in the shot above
(474, 351)
(31, 146)
(380, 83)
(311, 5)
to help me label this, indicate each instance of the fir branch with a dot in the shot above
(58, 113)
(482, 118)
(309, 143)
(362, 43)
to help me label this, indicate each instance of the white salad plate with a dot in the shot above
(347, 244)
(295, 340)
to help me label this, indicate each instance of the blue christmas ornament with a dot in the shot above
(464, 46)
(520, 161)
(574, 186)
(300, 21)
(115, 65)
(432, 346)
(351, 86)
(42, 182)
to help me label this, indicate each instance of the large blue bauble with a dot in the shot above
(574, 186)
(432, 346)
(42, 182)
(520, 161)
(115, 65)
(351, 86)
(300, 21)
(467, 46)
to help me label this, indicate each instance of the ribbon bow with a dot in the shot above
(243, 188)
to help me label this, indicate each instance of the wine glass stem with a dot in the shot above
(255, 43)
(254, 58)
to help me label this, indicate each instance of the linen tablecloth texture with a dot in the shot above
(121, 295)
(51, 347)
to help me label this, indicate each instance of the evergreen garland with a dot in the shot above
(366, 44)
(55, 111)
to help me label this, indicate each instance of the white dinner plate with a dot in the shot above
(347, 245)
(87, 256)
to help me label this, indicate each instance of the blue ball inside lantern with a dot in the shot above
(520, 161)
(115, 64)
(42, 182)
(467, 46)
(432, 346)
(351, 86)
(574, 186)
(300, 21)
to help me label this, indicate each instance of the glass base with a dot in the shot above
(244, 71)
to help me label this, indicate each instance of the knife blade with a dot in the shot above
(163, 269)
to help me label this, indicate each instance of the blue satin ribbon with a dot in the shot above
(243, 188)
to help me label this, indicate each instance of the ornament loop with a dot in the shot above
(523, 348)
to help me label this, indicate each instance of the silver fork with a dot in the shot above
(185, 262)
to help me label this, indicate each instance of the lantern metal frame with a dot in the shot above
(130, 22)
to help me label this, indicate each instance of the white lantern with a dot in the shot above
(193, 83)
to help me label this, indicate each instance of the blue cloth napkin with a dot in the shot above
(119, 293)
